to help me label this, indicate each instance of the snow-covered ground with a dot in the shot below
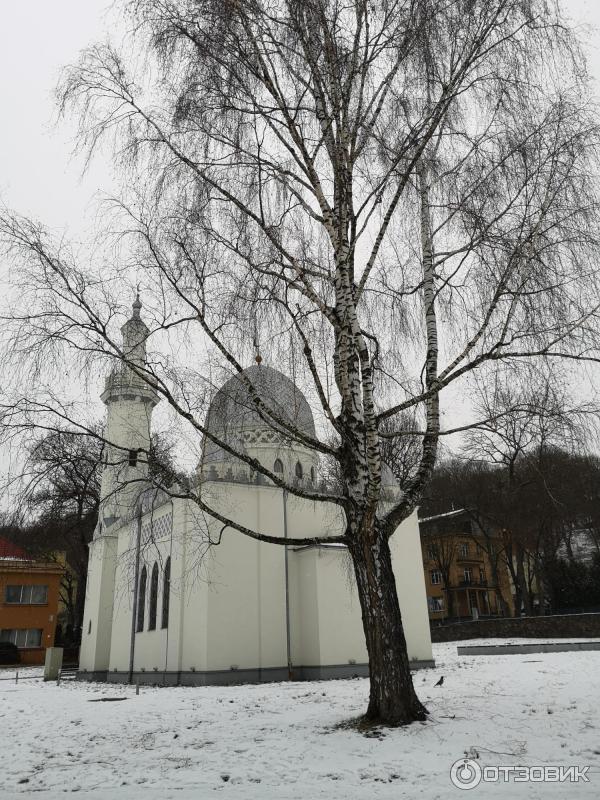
(284, 741)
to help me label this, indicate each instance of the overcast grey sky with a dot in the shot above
(38, 175)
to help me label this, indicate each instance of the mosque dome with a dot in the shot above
(234, 418)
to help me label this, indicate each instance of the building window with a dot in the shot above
(432, 551)
(133, 457)
(467, 576)
(478, 549)
(299, 470)
(166, 593)
(153, 598)
(278, 466)
(141, 601)
(312, 474)
(27, 595)
(436, 577)
(436, 604)
(485, 602)
(31, 637)
(482, 577)
(464, 549)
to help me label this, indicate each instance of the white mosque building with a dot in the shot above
(172, 598)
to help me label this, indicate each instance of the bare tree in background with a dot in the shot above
(474, 486)
(57, 498)
(586, 485)
(522, 468)
(442, 549)
(392, 194)
(527, 425)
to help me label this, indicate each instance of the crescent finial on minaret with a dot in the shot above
(137, 304)
(257, 357)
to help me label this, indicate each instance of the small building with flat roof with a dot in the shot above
(29, 596)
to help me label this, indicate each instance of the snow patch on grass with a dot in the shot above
(291, 740)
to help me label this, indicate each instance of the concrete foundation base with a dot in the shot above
(230, 677)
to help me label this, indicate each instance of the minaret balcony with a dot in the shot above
(124, 384)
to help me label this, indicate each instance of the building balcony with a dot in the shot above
(473, 583)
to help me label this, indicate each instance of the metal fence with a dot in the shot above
(65, 674)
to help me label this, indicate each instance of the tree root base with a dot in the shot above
(375, 728)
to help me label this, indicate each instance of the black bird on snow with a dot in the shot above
(440, 682)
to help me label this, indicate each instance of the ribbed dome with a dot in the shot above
(233, 415)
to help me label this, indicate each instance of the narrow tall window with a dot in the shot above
(141, 601)
(278, 465)
(166, 593)
(312, 474)
(299, 470)
(133, 456)
(153, 598)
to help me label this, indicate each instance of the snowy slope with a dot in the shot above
(282, 740)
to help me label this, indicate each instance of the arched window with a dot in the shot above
(312, 474)
(153, 598)
(141, 601)
(166, 593)
(299, 470)
(278, 465)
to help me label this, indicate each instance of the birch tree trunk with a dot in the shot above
(392, 696)
(338, 171)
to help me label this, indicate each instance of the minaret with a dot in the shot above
(129, 400)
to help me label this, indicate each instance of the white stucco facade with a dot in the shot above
(228, 608)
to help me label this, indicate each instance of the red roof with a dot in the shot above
(10, 550)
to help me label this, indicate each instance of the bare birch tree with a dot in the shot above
(392, 194)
